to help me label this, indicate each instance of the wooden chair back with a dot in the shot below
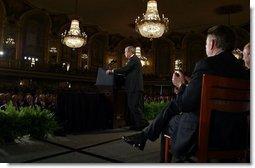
(220, 94)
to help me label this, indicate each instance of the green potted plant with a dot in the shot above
(33, 121)
(151, 109)
(9, 122)
(38, 122)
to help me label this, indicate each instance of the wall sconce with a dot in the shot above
(21, 83)
(144, 60)
(66, 66)
(1, 53)
(69, 85)
(178, 65)
(84, 56)
(53, 50)
(10, 42)
(237, 53)
(32, 59)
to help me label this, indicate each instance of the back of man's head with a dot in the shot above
(225, 37)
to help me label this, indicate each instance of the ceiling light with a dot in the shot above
(74, 38)
(151, 25)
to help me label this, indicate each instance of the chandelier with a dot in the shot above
(74, 38)
(144, 61)
(151, 25)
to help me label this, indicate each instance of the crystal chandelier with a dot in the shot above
(74, 38)
(151, 25)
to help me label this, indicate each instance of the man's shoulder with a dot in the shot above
(202, 63)
(212, 60)
(134, 58)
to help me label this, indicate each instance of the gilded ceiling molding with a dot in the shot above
(97, 48)
(194, 41)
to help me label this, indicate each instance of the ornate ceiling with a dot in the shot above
(117, 16)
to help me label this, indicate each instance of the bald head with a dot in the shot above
(246, 55)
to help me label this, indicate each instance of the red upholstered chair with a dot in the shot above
(221, 94)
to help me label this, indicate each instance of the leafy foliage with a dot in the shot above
(151, 109)
(33, 121)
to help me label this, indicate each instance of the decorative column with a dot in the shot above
(46, 45)
(18, 40)
(79, 52)
(2, 29)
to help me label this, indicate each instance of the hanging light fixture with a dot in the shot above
(74, 38)
(151, 25)
(144, 61)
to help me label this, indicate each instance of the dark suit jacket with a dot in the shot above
(188, 102)
(133, 72)
(223, 64)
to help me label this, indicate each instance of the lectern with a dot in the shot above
(113, 88)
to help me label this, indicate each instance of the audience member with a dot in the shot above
(180, 116)
(246, 55)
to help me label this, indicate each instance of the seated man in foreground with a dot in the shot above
(180, 117)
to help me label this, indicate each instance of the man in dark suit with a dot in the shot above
(134, 86)
(180, 117)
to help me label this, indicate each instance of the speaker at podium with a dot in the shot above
(116, 81)
(103, 79)
(112, 86)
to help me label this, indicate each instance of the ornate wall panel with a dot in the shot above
(164, 52)
(193, 46)
(98, 45)
(34, 36)
(2, 20)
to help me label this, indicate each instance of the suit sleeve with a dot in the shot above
(127, 68)
(188, 99)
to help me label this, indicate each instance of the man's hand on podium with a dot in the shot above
(109, 71)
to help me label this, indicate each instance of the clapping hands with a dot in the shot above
(178, 78)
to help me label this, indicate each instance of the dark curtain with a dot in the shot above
(80, 112)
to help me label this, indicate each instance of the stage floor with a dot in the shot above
(95, 147)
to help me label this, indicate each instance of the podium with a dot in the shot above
(112, 86)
